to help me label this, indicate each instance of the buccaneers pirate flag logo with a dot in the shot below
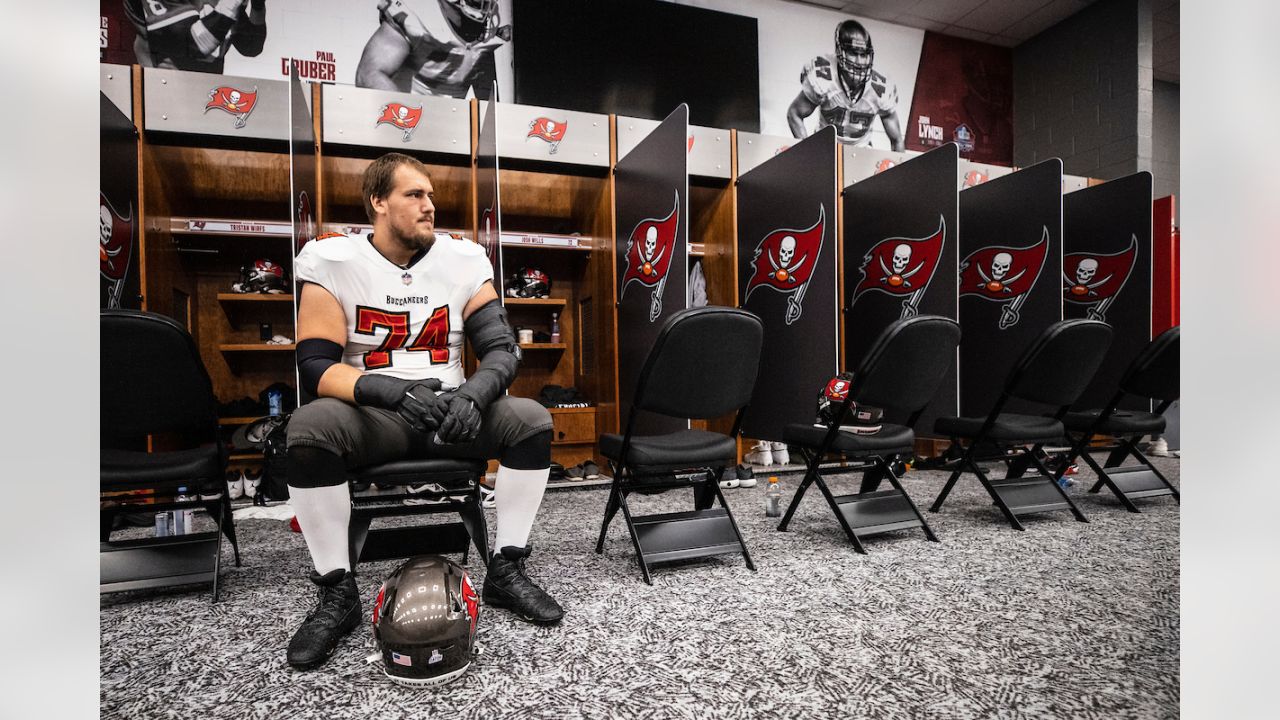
(231, 100)
(973, 178)
(1004, 275)
(548, 130)
(784, 261)
(115, 245)
(401, 116)
(649, 250)
(903, 267)
(1095, 280)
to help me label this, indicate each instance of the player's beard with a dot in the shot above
(415, 239)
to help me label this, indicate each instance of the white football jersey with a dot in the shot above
(444, 62)
(403, 323)
(851, 114)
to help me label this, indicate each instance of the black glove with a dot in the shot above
(462, 423)
(414, 400)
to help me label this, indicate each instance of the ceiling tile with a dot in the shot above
(947, 11)
(1005, 41)
(875, 10)
(996, 15)
(921, 23)
(1050, 14)
(966, 33)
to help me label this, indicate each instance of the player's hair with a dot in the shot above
(379, 177)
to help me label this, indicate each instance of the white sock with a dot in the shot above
(518, 494)
(324, 514)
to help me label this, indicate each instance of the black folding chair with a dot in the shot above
(679, 380)
(1152, 375)
(156, 391)
(418, 486)
(1053, 371)
(901, 372)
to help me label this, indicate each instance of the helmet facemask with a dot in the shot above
(854, 54)
(477, 10)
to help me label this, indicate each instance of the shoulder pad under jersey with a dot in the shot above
(334, 247)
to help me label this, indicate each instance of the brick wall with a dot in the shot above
(1164, 140)
(1083, 91)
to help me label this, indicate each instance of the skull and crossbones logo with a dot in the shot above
(997, 280)
(1085, 272)
(651, 253)
(783, 267)
(233, 100)
(105, 254)
(402, 114)
(899, 275)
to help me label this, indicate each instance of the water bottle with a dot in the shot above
(181, 518)
(555, 328)
(773, 498)
(274, 400)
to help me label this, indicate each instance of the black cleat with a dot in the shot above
(507, 586)
(337, 614)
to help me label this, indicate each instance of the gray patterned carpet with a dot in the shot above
(1066, 620)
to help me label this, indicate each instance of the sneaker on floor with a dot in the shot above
(487, 497)
(1159, 448)
(575, 473)
(506, 585)
(781, 455)
(590, 470)
(761, 454)
(235, 484)
(730, 479)
(252, 479)
(746, 478)
(336, 614)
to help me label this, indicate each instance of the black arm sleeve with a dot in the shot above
(495, 345)
(249, 37)
(315, 356)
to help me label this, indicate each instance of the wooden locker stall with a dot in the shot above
(215, 196)
(556, 215)
(357, 125)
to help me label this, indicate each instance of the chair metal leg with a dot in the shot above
(835, 508)
(703, 498)
(715, 487)
(358, 533)
(1018, 465)
(217, 557)
(472, 516)
(635, 538)
(1000, 503)
(811, 471)
(229, 529)
(1053, 478)
(1142, 458)
(871, 479)
(1105, 479)
(610, 509)
(966, 459)
(893, 480)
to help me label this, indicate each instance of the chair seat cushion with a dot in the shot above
(130, 467)
(450, 472)
(1121, 422)
(891, 439)
(687, 447)
(1009, 427)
